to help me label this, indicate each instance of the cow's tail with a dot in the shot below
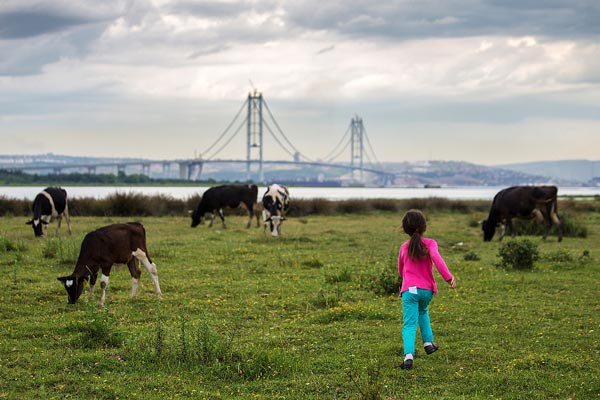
(254, 192)
(144, 245)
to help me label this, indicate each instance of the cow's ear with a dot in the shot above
(44, 222)
(30, 222)
(63, 278)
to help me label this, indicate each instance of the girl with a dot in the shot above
(418, 286)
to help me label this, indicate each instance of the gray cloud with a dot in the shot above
(17, 25)
(451, 18)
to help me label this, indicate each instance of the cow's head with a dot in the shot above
(196, 218)
(37, 225)
(73, 285)
(275, 223)
(489, 229)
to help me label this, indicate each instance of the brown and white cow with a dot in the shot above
(276, 203)
(525, 202)
(100, 249)
(48, 204)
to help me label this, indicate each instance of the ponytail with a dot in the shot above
(414, 224)
(416, 248)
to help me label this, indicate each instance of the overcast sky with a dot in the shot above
(486, 81)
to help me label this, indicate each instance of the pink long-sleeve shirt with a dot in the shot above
(419, 273)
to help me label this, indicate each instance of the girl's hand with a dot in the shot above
(452, 283)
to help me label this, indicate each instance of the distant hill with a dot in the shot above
(415, 173)
(582, 171)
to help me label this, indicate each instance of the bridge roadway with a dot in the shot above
(185, 164)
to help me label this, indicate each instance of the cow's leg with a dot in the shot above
(103, 285)
(558, 223)
(59, 220)
(212, 219)
(68, 217)
(502, 231)
(151, 267)
(257, 214)
(93, 279)
(47, 219)
(222, 217)
(542, 217)
(510, 227)
(250, 215)
(134, 271)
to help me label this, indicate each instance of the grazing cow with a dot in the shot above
(276, 202)
(49, 203)
(231, 196)
(523, 202)
(100, 249)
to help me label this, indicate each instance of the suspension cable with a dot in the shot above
(283, 134)
(342, 149)
(371, 147)
(276, 139)
(338, 144)
(226, 129)
(228, 140)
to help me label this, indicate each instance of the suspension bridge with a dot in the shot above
(258, 122)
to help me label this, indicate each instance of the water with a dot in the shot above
(334, 193)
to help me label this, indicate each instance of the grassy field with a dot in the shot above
(302, 316)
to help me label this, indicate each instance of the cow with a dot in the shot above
(276, 203)
(231, 196)
(524, 202)
(49, 203)
(100, 249)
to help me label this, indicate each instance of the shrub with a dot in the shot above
(367, 381)
(326, 298)
(127, 204)
(98, 332)
(51, 248)
(518, 254)
(7, 245)
(571, 227)
(471, 256)
(560, 255)
(197, 345)
(345, 275)
(388, 282)
(313, 263)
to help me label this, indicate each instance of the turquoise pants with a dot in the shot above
(415, 309)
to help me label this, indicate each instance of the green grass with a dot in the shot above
(249, 316)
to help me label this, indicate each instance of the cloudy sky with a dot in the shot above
(486, 81)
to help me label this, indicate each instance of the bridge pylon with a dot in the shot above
(254, 134)
(357, 145)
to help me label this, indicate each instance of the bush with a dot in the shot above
(571, 227)
(7, 245)
(99, 332)
(518, 254)
(197, 345)
(388, 282)
(327, 299)
(560, 255)
(471, 256)
(344, 275)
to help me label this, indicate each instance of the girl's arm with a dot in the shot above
(439, 262)
(400, 262)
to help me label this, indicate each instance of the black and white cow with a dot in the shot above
(100, 249)
(525, 202)
(49, 203)
(276, 203)
(226, 196)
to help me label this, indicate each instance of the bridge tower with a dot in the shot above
(254, 134)
(357, 148)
